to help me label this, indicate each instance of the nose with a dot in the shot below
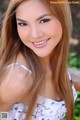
(36, 32)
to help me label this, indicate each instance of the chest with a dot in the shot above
(45, 109)
(48, 91)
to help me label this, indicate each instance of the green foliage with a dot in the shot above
(77, 108)
(73, 61)
(65, 118)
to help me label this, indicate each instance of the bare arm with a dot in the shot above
(77, 86)
(75, 75)
(14, 87)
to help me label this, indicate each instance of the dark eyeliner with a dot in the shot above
(45, 20)
(22, 24)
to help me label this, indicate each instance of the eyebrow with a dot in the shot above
(36, 19)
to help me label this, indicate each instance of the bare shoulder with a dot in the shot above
(16, 83)
(20, 59)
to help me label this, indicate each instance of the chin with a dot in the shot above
(43, 55)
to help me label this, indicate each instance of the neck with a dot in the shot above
(45, 62)
(46, 65)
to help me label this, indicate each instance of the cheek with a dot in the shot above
(22, 34)
(55, 29)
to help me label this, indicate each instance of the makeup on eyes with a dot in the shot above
(43, 19)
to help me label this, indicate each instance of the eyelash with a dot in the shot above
(41, 21)
(45, 20)
(22, 24)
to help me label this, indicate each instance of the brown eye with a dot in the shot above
(45, 20)
(22, 24)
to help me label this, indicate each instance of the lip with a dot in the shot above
(41, 44)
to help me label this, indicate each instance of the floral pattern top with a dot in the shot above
(46, 109)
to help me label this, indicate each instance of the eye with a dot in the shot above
(22, 24)
(45, 20)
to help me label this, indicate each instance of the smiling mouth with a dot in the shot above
(41, 43)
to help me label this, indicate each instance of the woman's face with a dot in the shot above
(38, 29)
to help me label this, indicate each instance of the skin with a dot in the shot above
(31, 26)
(34, 28)
(38, 26)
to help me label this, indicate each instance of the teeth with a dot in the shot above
(39, 43)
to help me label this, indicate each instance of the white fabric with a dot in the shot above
(46, 109)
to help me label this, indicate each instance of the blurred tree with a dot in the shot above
(75, 10)
(3, 5)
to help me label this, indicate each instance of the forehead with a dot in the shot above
(31, 7)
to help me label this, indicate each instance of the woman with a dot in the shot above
(33, 61)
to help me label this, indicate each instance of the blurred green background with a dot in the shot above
(74, 55)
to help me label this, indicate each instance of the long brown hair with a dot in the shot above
(11, 45)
